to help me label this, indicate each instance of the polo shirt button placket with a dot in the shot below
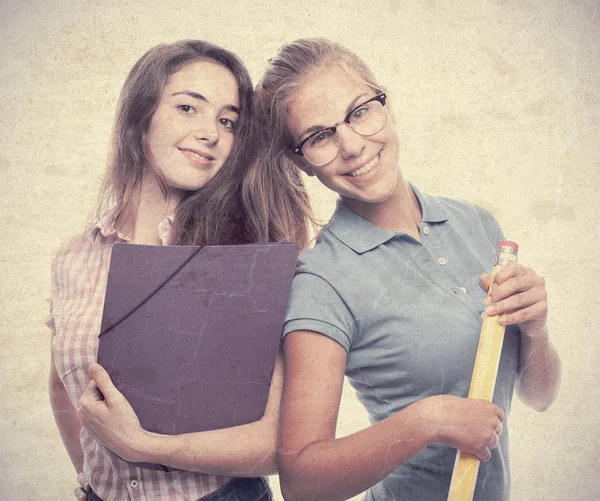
(426, 230)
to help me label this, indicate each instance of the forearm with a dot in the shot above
(338, 469)
(539, 371)
(68, 423)
(241, 451)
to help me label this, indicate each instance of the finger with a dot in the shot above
(515, 285)
(484, 281)
(91, 394)
(105, 384)
(515, 302)
(493, 443)
(500, 414)
(82, 481)
(499, 428)
(535, 312)
(484, 455)
(507, 271)
(80, 494)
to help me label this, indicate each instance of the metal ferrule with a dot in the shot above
(506, 254)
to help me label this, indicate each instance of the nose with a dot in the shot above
(206, 130)
(351, 143)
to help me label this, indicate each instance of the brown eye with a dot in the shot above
(227, 123)
(187, 109)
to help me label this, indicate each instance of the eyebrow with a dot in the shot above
(316, 128)
(200, 97)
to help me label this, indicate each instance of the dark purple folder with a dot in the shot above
(190, 335)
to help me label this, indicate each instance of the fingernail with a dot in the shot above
(490, 310)
(487, 300)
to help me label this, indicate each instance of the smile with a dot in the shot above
(196, 155)
(364, 169)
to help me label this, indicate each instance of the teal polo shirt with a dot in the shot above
(409, 315)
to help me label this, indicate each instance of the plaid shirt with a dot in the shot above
(79, 278)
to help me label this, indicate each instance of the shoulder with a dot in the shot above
(326, 253)
(70, 257)
(462, 208)
(468, 217)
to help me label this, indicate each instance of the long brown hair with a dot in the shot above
(274, 175)
(213, 214)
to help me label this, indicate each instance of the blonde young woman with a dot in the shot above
(391, 296)
(182, 144)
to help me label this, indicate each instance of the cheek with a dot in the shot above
(154, 138)
(227, 145)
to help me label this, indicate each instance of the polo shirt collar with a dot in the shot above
(362, 235)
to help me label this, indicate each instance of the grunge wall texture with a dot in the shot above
(497, 101)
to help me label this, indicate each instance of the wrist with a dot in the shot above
(532, 331)
(427, 425)
(145, 448)
(539, 336)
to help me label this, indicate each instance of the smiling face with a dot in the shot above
(366, 167)
(193, 128)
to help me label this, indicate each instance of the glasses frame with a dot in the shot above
(379, 97)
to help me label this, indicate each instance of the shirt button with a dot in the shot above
(442, 261)
(462, 289)
(134, 484)
(426, 230)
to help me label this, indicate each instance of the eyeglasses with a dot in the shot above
(322, 146)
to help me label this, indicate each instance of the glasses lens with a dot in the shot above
(368, 119)
(322, 148)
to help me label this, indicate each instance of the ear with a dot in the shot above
(300, 162)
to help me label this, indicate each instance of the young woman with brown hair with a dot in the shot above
(182, 144)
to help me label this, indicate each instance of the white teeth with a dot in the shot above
(366, 168)
(196, 155)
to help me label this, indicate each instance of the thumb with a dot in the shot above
(484, 281)
(104, 383)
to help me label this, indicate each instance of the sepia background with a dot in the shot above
(497, 102)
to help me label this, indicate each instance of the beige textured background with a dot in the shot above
(498, 103)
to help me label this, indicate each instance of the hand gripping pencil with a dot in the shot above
(466, 467)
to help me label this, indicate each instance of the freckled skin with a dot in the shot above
(322, 99)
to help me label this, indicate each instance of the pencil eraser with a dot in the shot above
(508, 243)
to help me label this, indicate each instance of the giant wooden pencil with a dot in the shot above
(466, 467)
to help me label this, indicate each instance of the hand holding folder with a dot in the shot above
(190, 335)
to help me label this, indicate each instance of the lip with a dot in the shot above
(192, 152)
(349, 172)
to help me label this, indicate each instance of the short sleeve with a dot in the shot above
(316, 306)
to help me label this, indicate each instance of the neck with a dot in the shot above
(146, 209)
(400, 212)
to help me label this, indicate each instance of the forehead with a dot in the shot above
(322, 97)
(213, 81)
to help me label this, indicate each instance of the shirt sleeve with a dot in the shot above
(316, 306)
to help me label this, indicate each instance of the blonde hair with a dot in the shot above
(274, 172)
